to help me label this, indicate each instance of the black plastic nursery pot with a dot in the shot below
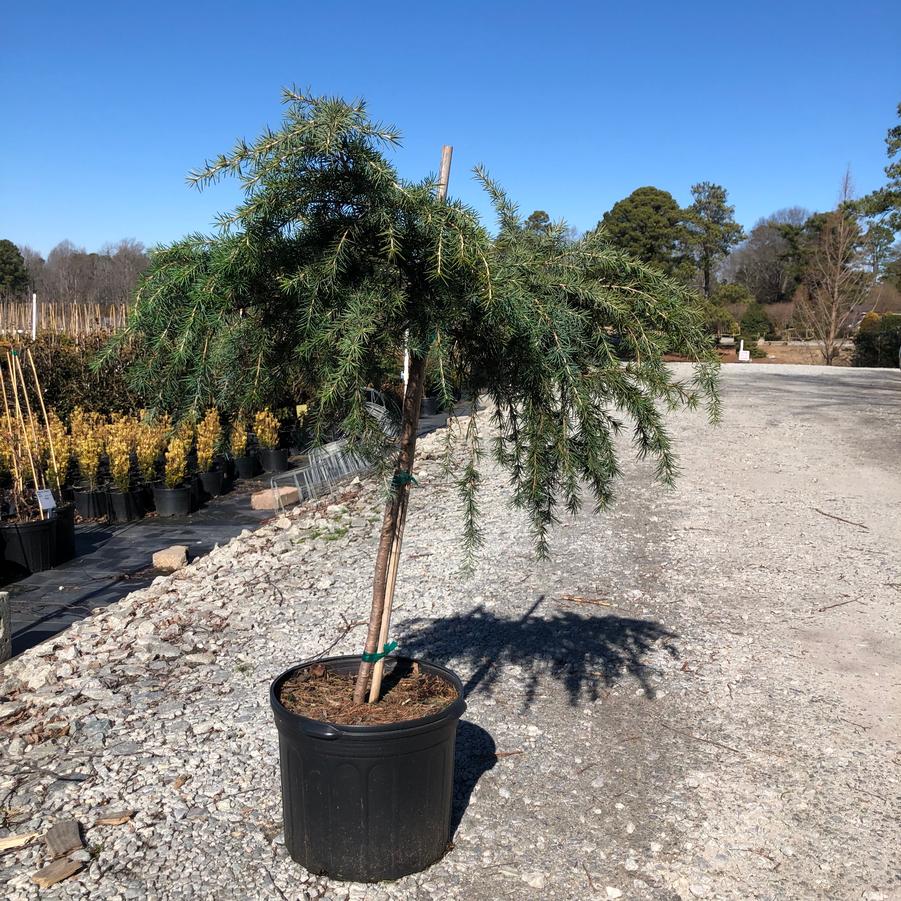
(211, 482)
(367, 803)
(125, 506)
(274, 459)
(428, 406)
(172, 501)
(246, 467)
(148, 504)
(90, 504)
(197, 495)
(29, 547)
(65, 534)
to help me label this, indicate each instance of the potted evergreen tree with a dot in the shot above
(245, 463)
(330, 271)
(173, 497)
(151, 438)
(209, 437)
(88, 431)
(266, 428)
(57, 458)
(124, 501)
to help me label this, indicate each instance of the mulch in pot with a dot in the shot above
(320, 694)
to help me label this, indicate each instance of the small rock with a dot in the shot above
(535, 880)
(63, 837)
(613, 892)
(10, 708)
(171, 558)
(114, 817)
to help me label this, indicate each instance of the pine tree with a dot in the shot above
(885, 202)
(711, 229)
(332, 265)
(13, 274)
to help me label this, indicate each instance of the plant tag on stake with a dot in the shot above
(46, 500)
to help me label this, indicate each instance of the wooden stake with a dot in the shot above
(21, 423)
(375, 689)
(13, 450)
(34, 434)
(37, 384)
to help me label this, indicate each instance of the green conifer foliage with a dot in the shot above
(332, 261)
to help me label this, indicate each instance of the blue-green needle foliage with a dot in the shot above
(313, 282)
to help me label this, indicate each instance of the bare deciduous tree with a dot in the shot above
(71, 274)
(836, 282)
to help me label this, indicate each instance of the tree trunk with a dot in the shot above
(391, 520)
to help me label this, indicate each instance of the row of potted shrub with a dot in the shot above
(117, 467)
(130, 466)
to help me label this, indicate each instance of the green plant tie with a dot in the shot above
(403, 478)
(374, 658)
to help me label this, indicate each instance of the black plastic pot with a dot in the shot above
(429, 406)
(148, 504)
(65, 534)
(90, 504)
(273, 459)
(197, 495)
(29, 547)
(246, 467)
(172, 501)
(367, 803)
(211, 482)
(125, 506)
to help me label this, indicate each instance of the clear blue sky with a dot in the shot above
(570, 105)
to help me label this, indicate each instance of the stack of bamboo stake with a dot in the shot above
(29, 442)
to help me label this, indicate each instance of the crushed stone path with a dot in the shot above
(696, 696)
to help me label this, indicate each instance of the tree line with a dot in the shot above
(819, 271)
(70, 274)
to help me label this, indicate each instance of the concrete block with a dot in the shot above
(171, 558)
(274, 498)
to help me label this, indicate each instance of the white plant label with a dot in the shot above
(46, 499)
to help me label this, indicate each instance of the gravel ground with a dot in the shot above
(726, 728)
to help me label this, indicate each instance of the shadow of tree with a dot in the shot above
(474, 754)
(584, 652)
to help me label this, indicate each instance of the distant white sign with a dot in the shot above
(46, 499)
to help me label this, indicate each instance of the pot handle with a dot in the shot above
(321, 730)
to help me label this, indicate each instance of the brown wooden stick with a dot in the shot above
(850, 522)
(578, 599)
